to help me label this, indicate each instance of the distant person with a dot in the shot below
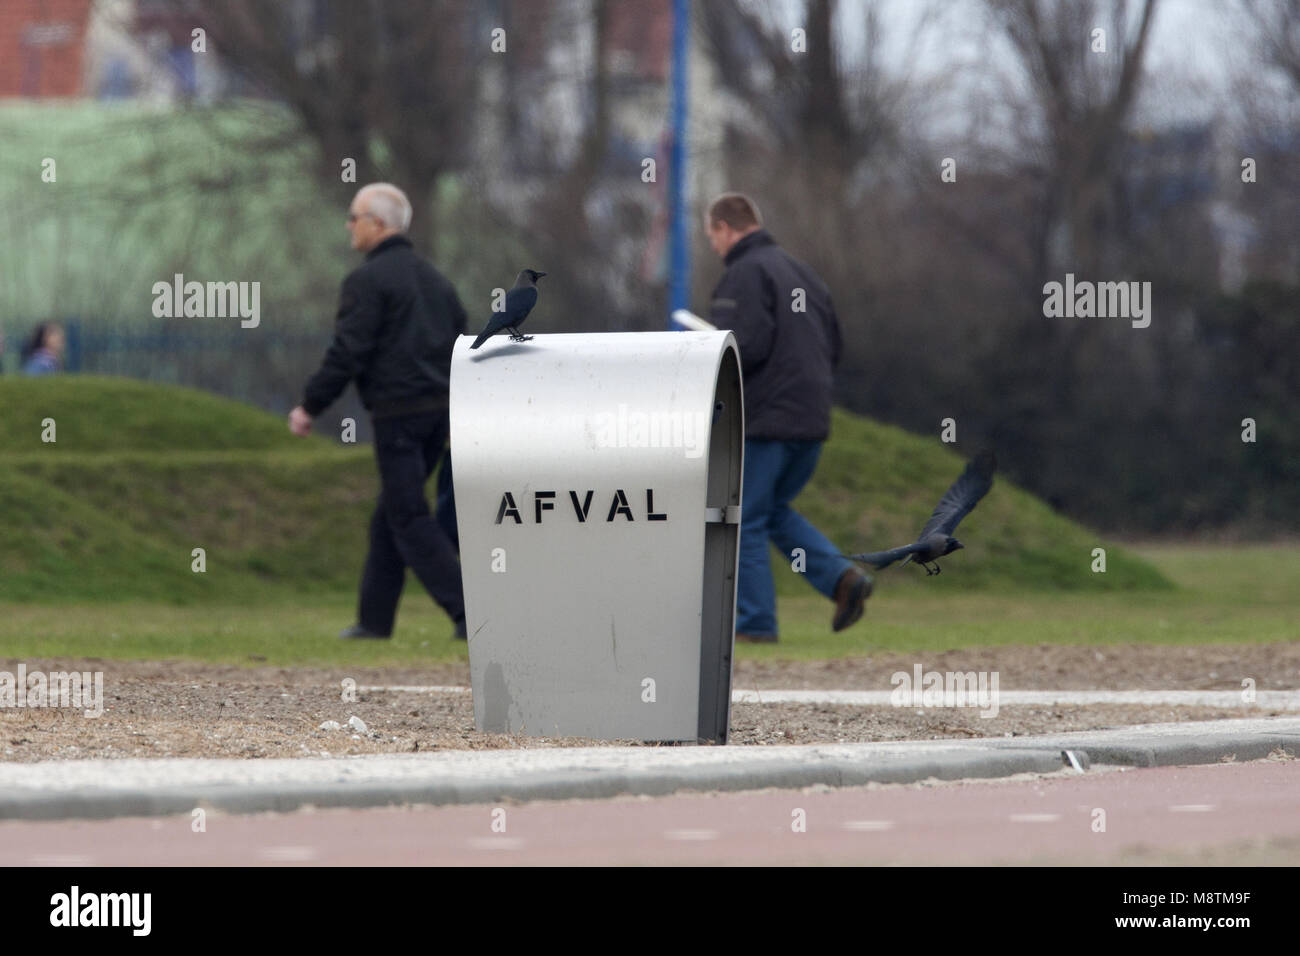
(42, 353)
(397, 323)
(782, 317)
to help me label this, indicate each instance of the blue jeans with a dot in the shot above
(775, 473)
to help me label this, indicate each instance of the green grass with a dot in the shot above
(102, 415)
(876, 485)
(97, 532)
(302, 632)
(141, 474)
(1223, 595)
(1254, 603)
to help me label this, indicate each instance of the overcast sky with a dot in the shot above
(1195, 48)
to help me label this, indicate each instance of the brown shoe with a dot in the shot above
(851, 592)
(755, 638)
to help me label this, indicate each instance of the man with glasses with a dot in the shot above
(397, 323)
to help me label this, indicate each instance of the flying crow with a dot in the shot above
(936, 538)
(519, 302)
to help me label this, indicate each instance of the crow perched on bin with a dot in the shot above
(936, 538)
(519, 302)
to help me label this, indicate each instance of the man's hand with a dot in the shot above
(300, 422)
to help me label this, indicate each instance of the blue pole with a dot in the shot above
(679, 238)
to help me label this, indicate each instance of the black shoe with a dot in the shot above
(851, 592)
(356, 630)
(461, 634)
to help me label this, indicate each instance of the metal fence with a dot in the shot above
(261, 367)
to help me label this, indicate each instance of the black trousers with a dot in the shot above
(402, 531)
(445, 511)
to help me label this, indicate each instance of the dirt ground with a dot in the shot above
(190, 709)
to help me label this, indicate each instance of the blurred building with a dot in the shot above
(144, 49)
(42, 43)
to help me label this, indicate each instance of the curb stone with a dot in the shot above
(100, 789)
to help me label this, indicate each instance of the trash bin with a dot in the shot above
(597, 483)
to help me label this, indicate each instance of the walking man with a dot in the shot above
(397, 323)
(782, 317)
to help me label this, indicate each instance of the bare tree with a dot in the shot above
(1083, 60)
(1264, 122)
(815, 116)
(1276, 26)
(390, 85)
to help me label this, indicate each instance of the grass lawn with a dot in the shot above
(298, 633)
(1225, 594)
(98, 529)
(141, 474)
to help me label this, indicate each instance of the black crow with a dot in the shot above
(936, 538)
(519, 302)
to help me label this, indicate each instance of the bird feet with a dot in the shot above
(928, 570)
(517, 337)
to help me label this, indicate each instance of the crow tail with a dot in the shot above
(483, 337)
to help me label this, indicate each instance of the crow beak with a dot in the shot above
(540, 274)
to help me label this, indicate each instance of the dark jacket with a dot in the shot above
(787, 356)
(397, 324)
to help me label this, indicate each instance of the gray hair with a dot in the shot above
(388, 204)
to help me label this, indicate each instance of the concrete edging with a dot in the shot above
(59, 790)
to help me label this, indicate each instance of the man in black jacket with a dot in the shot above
(782, 317)
(397, 323)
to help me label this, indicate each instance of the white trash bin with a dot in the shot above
(598, 483)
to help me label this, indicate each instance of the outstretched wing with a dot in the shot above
(961, 498)
(883, 559)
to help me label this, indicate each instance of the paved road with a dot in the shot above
(1051, 818)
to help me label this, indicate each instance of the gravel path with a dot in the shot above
(185, 708)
